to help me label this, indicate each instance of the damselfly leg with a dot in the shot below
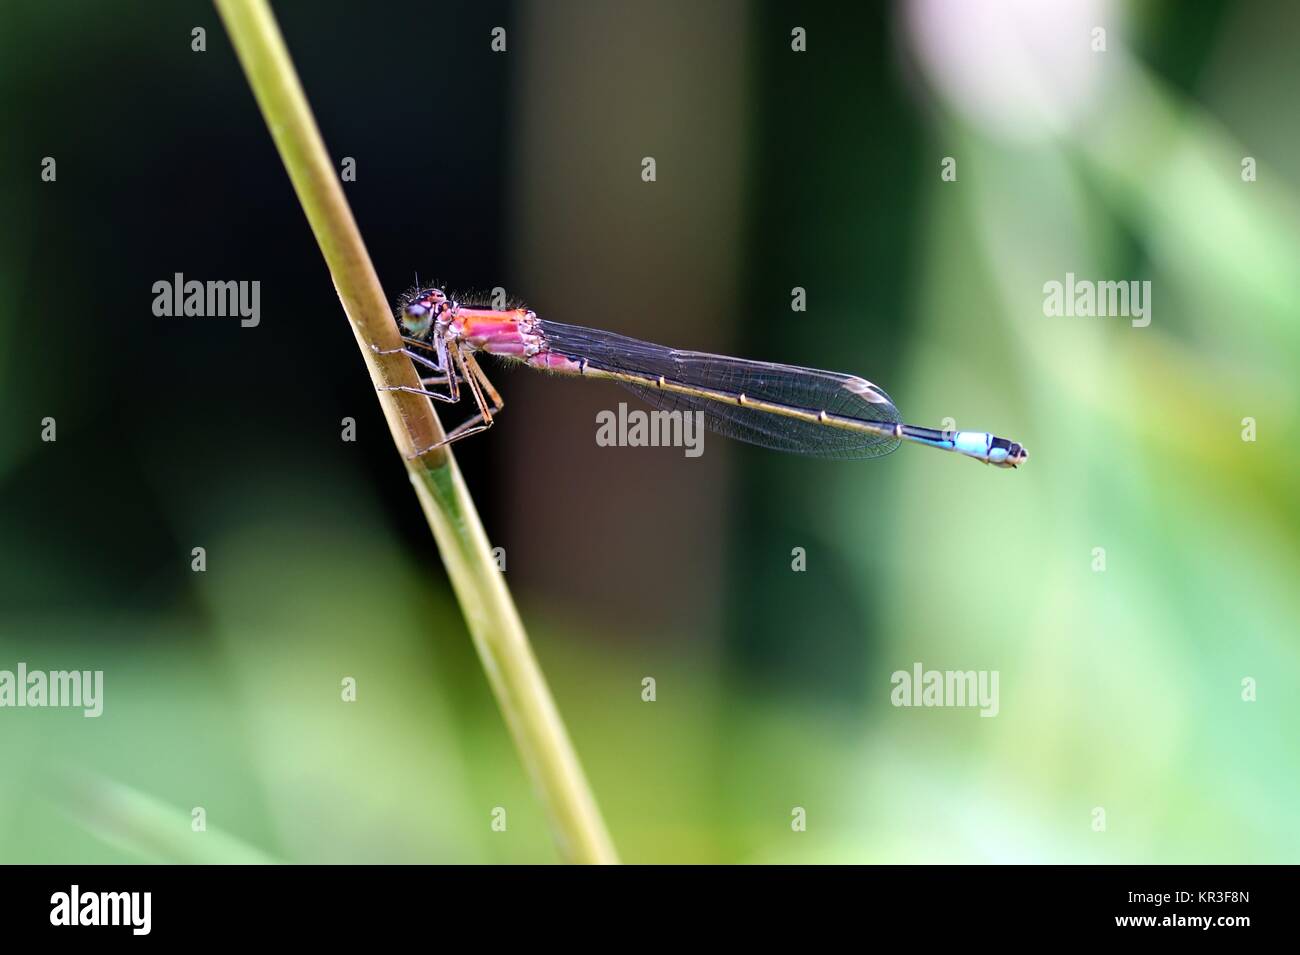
(472, 375)
(497, 401)
(439, 363)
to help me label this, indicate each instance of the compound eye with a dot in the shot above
(416, 319)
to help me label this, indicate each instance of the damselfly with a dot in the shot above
(783, 407)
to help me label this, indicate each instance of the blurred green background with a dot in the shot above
(1119, 690)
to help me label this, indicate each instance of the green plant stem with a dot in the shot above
(490, 613)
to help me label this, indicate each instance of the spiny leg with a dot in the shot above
(439, 380)
(481, 421)
(497, 402)
(435, 395)
(439, 348)
(418, 359)
(417, 342)
(451, 396)
(442, 364)
(428, 383)
(462, 430)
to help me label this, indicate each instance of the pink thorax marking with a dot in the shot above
(497, 332)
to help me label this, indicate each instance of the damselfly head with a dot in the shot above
(421, 310)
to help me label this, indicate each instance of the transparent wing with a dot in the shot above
(808, 389)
